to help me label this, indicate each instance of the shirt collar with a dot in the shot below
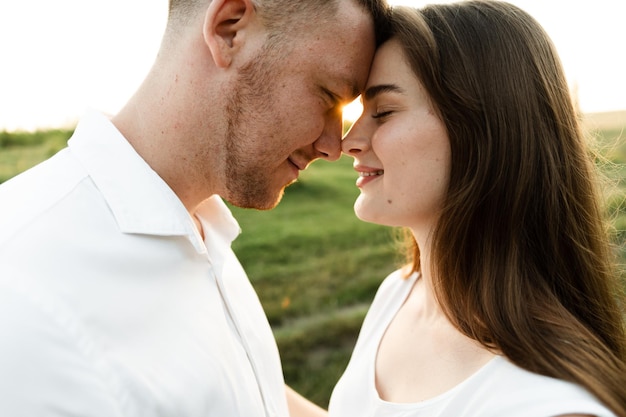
(219, 226)
(139, 199)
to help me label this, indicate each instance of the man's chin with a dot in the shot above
(258, 202)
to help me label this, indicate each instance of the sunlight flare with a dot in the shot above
(352, 111)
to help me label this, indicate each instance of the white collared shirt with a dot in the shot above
(112, 305)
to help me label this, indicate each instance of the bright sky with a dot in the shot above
(58, 58)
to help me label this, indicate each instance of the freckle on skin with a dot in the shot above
(389, 201)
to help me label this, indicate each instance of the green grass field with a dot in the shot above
(20, 150)
(314, 265)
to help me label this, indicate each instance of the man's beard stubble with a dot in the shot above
(247, 183)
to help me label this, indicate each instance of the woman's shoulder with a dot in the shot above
(394, 288)
(398, 281)
(388, 299)
(503, 388)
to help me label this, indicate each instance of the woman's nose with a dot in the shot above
(355, 141)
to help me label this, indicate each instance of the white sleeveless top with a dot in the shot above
(498, 389)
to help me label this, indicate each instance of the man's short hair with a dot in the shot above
(282, 17)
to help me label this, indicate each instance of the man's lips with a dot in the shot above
(297, 166)
(301, 166)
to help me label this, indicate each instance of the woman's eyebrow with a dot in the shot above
(375, 90)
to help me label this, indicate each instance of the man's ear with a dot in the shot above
(224, 24)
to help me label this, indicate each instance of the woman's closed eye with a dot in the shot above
(381, 115)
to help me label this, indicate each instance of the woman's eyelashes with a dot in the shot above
(382, 114)
(381, 111)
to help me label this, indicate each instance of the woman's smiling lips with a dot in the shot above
(367, 175)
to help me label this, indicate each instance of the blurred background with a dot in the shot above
(58, 58)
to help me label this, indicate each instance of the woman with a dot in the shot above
(509, 305)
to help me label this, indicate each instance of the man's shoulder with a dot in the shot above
(32, 193)
(46, 358)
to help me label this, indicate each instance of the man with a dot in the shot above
(119, 293)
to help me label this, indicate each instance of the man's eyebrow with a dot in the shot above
(351, 88)
(375, 90)
(353, 92)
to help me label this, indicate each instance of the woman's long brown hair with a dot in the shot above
(521, 254)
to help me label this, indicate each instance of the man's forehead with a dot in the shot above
(342, 48)
(346, 80)
(349, 67)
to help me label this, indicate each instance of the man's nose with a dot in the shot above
(328, 145)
